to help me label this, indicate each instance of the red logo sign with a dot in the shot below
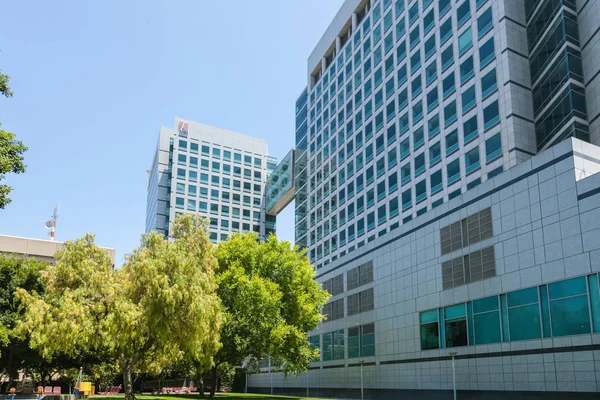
(183, 128)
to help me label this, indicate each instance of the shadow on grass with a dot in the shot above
(223, 396)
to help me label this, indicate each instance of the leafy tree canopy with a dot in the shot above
(11, 153)
(270, 302)
(161, 304)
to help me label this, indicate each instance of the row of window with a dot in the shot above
(226, 182)
(385, 188)
(568, 307)
(379, 216)
(356, 303)
(214, 209)
(215, 166)
(360, 343)
(215, 194)
(468, 231)
(219, 153)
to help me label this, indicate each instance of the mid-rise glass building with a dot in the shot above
(213, 172)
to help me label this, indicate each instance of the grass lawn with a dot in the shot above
(222, 396)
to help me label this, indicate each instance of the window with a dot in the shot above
(523, 314)
(405, 148)
(417, 112)
(418, 138)
(488, 83)
(470, 129)
(432, 99)
(179, 202)
(450, 113)
(433, 125)
(493, 147)
(491, 115)
(416, 86)
(448, 85)
(453, 171)
(435, 153)
(463, 13)
(194, 148)
(405, 173)
(446, 29)
(406, 200)
(431, 72)
(455, 325)
(182, 144)
(428, 22)
(473, 267)
(414, 37)
(472, 160)
(569, 307)
(466, 70)
(360, 275)
(180, 188)
(468, 99)
(468, 231)
(413, 13)
(402, 99)
(486, 320)
(486, 53)
(419, 164)
(436, 182)
(181, 173)
(360, 302)
(361, 341)
(465, 41)
(484, 22)
(451, 142)
(429, 330)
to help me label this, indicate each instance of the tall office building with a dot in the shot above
(212, 172)
(448, 198)
(410, 104)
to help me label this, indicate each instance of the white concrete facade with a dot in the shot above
(546, 229)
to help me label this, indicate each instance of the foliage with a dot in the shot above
(4, 88)
(270, 302)
(16, 272)
(11, 155)
(161, 304)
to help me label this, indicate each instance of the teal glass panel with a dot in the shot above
(442, 333)
(487, 304)
(521, 297)
(327, 347)
(571, 287)
(353, 347)
(524, 322)
(455, 311)
(504, 314)
(570, 316)
(429, 316)
(430, 336)
(595, 301)
(338, 345)
(487, 327)
(368, 345)
(545, 311)
(470, 322)
(456, 332)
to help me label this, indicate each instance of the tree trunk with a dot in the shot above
(215, 383)
(201, 386)
(127, 382)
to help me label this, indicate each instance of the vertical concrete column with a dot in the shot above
(323, 65)
(354, 21)
(338, 45)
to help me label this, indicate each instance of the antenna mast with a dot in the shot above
(51, 224)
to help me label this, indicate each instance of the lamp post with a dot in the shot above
(362, 390)
(271, 375)
(307, 382)
(453, 354)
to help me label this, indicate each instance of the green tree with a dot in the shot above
(11, 151)
(16, 272)
(160, 305)
(270, 301)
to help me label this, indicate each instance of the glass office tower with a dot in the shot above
(213, 172)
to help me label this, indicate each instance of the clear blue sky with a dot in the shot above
(94, 80)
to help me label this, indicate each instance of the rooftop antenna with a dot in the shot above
(51, 224)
